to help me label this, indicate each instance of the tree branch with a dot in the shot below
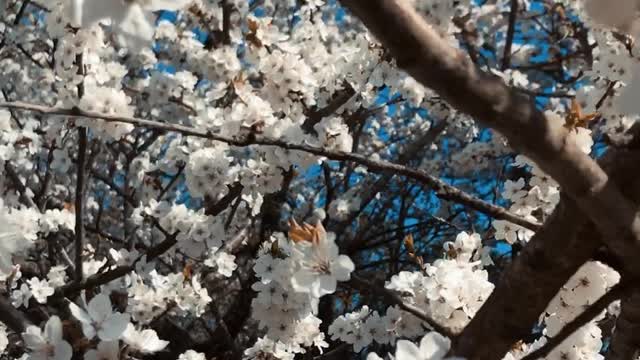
(626, 335)
(432, 61)
(420, 51)
(393, 298)
(441, 188)
(513, 15)
(585, 317)
(103, 278)
(11, 317)
(22, 189)
(566, 241)
(80, 183)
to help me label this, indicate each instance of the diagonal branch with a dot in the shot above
(113, 274)
(585, 317)
(432, 61)
(11, 317)
(394, 298)
(22, 189)
(440, 187)
(530, 282)
(625, 341)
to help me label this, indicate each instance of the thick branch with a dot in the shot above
(585, 317)
(420, 51)
(527, 286)
(625, 342)
(11, 317)
(441, 188)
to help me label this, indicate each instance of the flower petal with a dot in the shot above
(53, 329)
(434, 346)
(63, 351)
(113, 327)
(100, 308)
(342, 268)
(406, 350)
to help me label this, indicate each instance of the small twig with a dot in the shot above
(171, 183)
(513, 15)
(331, 352)
(103, 278)
(216, 207)
(22, 189)
(442, 189)
(80, 183)
(395, 299)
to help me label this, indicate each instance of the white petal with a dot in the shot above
(156, 5)
(94, 11)
(63, 351)
(53, 329)
(88, 330)
(109, 348)
(150, 341)
(33, 337)
(137, 27)
(434, 346)
(406, 350)
(113, 327)
(91, 355)
(302, 281)
(79, 313)
(100, 308)
(342, 268)
(327, 285)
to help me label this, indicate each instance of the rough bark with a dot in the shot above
(420, 51)
(550, 258)
(626, 334)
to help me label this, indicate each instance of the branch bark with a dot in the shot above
(393, 298)
(626, 335)
(420, 51)
(441, 188)
(585, 317)
(80, 182)
(11, 317)
(551, 257)
(511, 30)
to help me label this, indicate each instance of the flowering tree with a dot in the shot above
(311, 179)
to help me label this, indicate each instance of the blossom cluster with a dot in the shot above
(294, 273)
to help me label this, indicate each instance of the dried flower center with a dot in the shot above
(322, 267)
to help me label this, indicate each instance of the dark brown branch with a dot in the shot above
(511, 30)
(625, 341)
(340, 98)
(80, 183)
(420, 51)
(213, 208)
(531, 281)
(11, 317)
(103, 278)
(585, 317)
(22, 189)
